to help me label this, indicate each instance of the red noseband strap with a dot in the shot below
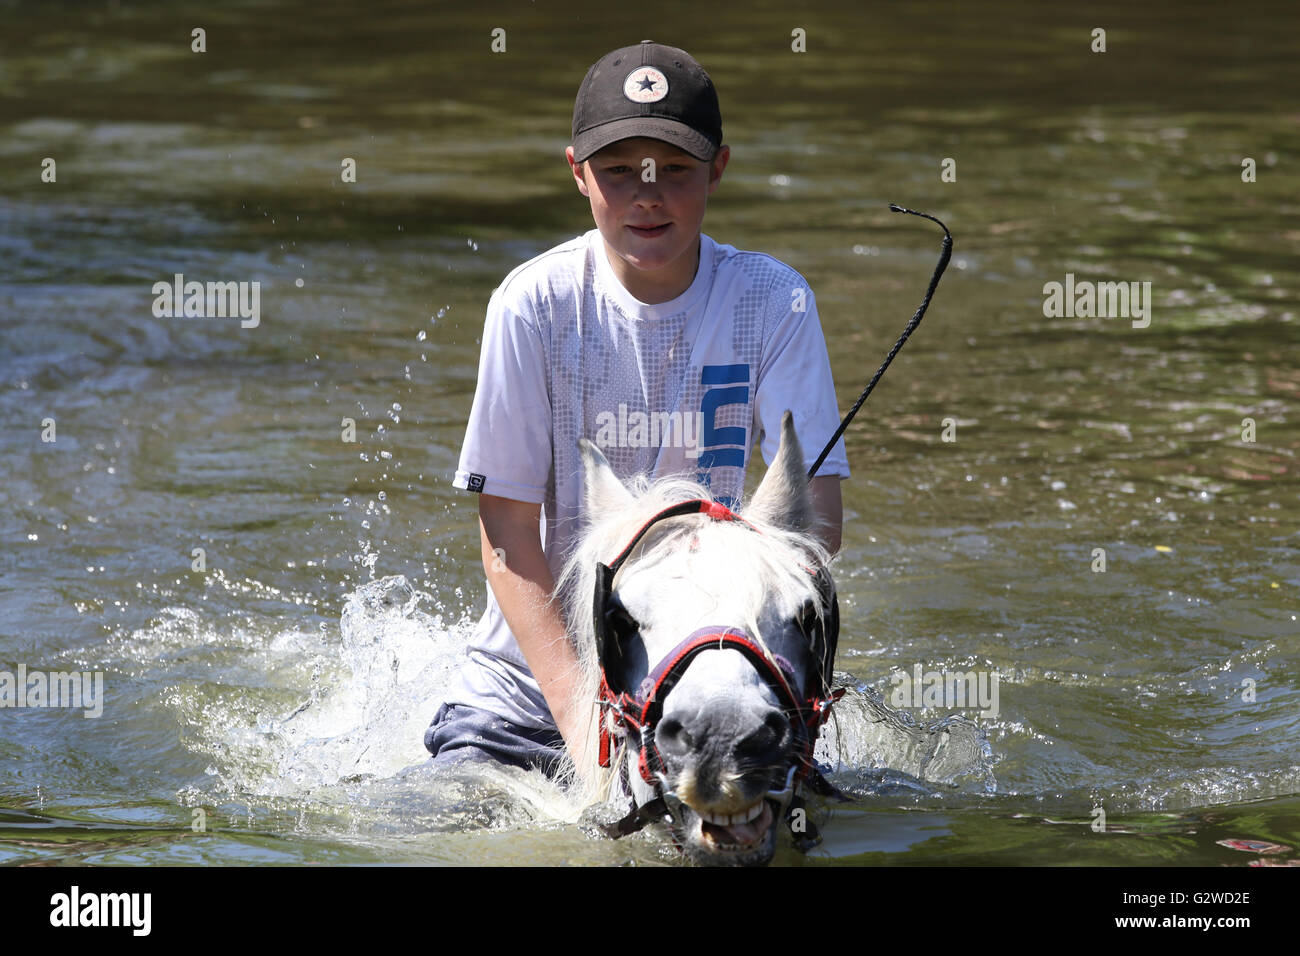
(641, 713)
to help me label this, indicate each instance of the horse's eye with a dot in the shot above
(619, 621)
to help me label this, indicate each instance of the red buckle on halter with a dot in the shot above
(819, 708)
(718, 511)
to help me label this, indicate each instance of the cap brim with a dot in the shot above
(651, 127)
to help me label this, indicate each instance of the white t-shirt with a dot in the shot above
(684, 386)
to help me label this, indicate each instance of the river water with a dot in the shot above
(268, 707)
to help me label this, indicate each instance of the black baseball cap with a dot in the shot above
(650, 90)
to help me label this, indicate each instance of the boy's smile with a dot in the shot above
(651, 229)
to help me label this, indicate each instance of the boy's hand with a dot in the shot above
(829, 509)
(522, 583)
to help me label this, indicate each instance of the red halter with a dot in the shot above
(637, 715)
(641, 712)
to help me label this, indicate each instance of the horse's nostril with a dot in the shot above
(768, 739)
(673, 737)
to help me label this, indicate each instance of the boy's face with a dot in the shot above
(651, 225)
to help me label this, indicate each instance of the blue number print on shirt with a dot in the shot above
(712, 455)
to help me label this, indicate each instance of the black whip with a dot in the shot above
(944, 256)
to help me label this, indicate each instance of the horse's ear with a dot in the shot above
(602, 491)
(782, 497)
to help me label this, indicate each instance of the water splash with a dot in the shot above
(867, 735)
(350, 754)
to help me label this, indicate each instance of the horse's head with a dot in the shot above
(711, 634)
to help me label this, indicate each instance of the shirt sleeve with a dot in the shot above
(795, 374)
(507, 450)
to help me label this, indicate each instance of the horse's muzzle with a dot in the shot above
(728, 764)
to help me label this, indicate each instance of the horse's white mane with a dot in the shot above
(762, 568)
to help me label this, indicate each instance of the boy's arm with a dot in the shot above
(795, 374)
(828, 506)
(523, 584)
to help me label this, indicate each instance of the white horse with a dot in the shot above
(708, 638)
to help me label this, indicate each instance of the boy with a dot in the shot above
(661, 346)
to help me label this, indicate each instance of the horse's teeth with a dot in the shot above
(744, 816)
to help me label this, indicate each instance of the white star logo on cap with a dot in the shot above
(645, 85)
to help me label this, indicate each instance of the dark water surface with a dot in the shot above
(235, 691)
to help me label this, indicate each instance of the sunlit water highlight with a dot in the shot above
(278, 697)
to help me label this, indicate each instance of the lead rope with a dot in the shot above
(807, 836)
(944, 256)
